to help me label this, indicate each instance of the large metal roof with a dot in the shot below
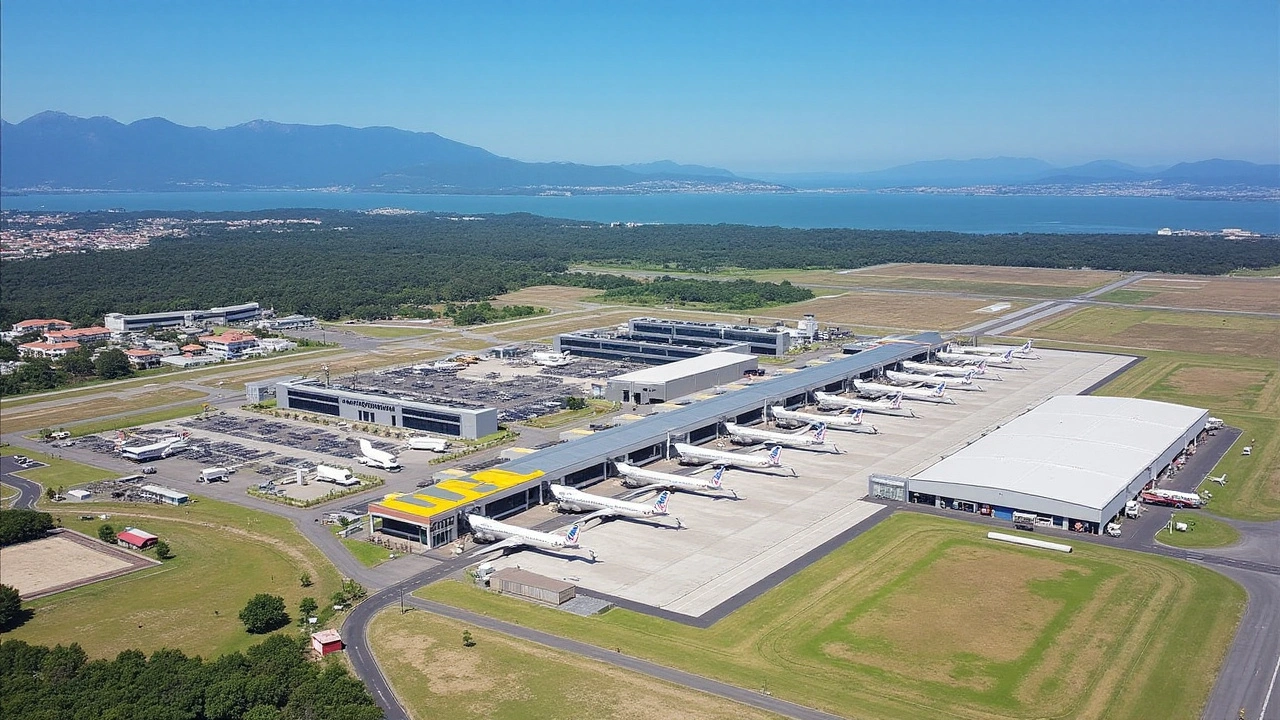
(686, 367)
(1078, 449)
(614, 442)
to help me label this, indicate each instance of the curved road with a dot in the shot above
(28, 491)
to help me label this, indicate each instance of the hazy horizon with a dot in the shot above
(751, 87)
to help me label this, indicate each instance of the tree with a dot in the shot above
(77, 362)
(10, 605)
(20, 525)
(162, 550)
(50, 493)
(467, 640)
(106, 533)
(112, 364)
(308, 607)
(305, 579)
(339, 598)
(264, 613)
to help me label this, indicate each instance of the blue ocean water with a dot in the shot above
(961, 213)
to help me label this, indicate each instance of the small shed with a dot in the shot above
(523, 583)
(136, 539)
(79, 494)
(325, 642)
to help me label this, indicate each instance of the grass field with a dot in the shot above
(463, 343)
(554, 297)
(564, 417)
(1216, 293)
(67, 413)
(1130, 297)
(223, 556)
(367, 553)
(1203, 531)
(62, 473)
(127, 421)
(502, 677)
(389, 332)
(7, 494)
(923, 617)
(888, 310)
(1165, 330)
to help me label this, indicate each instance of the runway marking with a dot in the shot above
(1266, 699)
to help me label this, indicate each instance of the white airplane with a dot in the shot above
(508, 536)
(373, 457)
(1220, 480)
(882, 406)
(427, 443)
(839, 422)
(1004, 361)
(574, 500)
(692, 454)
(552, 359)
(635, 477)
(801, 440)
(960, 383)
(936, 394)
(1023, 352)
(979, 370)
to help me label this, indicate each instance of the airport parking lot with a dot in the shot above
(727, 545)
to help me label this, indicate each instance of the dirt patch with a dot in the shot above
(1223, 382)
(1213, 293)
(990, 273)
(61, 562)
(548, 296)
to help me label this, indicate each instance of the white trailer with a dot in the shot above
(337, 476)
(214, 474)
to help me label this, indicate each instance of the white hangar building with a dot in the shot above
(683, 377)
(1074, 459)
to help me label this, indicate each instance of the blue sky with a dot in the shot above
(783, 86)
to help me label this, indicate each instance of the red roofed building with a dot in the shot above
(136, 539)
(84, 335)
(325, 642)
(50, 350)
(27, 326)
(230, 345)
(143, 358)
(193, 349)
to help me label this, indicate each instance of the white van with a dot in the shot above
(214, 474)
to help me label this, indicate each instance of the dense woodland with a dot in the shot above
(361, 265)
(271, 681)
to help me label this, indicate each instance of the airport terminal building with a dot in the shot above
(432, 515)
(467, 423)
(1073, 461)
(655, 341)
(120, 323)
(680, 378)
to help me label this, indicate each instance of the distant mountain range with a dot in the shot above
(1030, 171)
(55, 151)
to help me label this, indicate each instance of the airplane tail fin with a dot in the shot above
(1008, 357)
(968, 377)
(896, 403)
(940, 390)
(715, 479)
(820, 434)
(571, 537)
(982, 367)
(1026, 346)
(661, 504)
(775, 455)
(857, 415)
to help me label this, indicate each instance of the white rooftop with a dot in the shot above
(1079, 449)
(684, 368)
(163, 492)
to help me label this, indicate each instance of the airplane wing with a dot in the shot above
(597, 515)
(642, 490)
(493, 547)
(708, 466)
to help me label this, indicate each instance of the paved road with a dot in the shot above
(28, 492)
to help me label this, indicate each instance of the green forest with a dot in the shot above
(271, 681)
(356, 264)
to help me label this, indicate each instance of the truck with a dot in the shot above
(1113, 529)
(337, 476)
(1132, 509)
(427, 443)
(1024, 521)
(214, 474)
(1171, 498)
